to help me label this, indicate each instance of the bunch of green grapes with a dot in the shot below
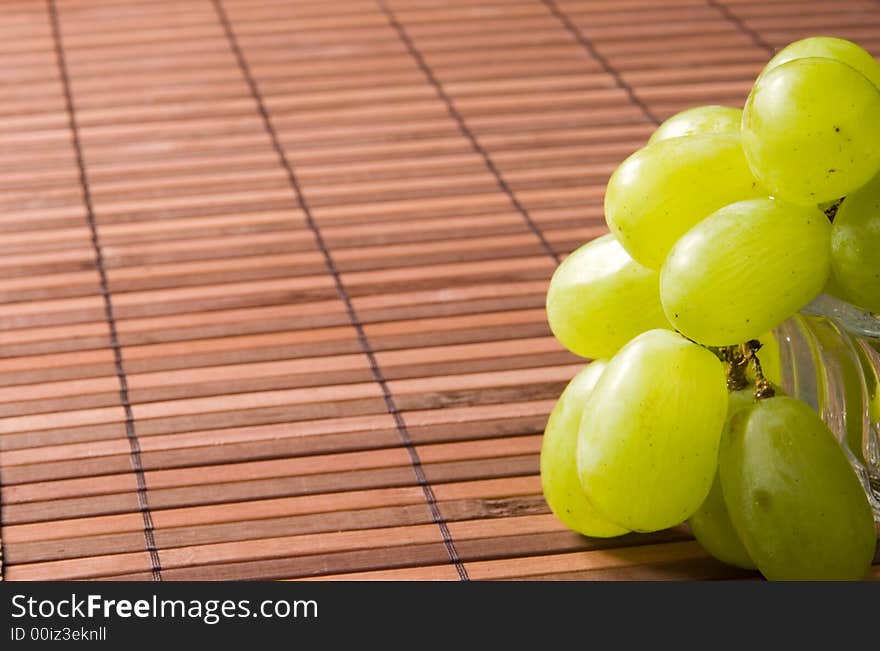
(724, 225)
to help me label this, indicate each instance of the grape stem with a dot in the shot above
(737, 360)
(737, 365)
(763, 388)
(831, 211)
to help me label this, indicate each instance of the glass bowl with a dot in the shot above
(829, 357)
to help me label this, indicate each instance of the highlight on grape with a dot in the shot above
(728, 222)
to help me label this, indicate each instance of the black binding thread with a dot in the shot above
(366, 349)
(133, 443)
(737, 22)
(465, 130)
(601, 60)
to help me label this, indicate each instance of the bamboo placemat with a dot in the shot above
(273, 273)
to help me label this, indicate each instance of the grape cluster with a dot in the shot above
(724, 225)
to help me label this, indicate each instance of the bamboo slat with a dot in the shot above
(273, 273)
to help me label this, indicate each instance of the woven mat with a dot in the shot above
(273, 273)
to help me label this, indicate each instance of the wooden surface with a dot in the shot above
(273, 273)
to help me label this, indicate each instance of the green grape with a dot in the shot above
(832, 286)
(711, 523)
(599, 298)
(661, 191)
(828, 47)
(855, 247)
(648, 441)
(700, 119)
(713, 529)
(559, 477)
(745, 269)
(810, 130)
(792, 495)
